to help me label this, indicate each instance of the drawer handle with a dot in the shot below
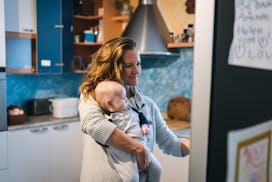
(60, 127)
(28, 30)
(39, 130)
(59, 64)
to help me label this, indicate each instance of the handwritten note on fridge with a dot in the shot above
(252, 34)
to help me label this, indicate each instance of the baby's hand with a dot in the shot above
(145, 129)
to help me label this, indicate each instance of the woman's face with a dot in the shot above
(132, 67)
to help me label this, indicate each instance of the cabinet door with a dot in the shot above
(28, 158)
(3, 150)
(4, 175)
(174, 169)
(53, 37)
(66, 152)
(20, 16)
(49, 33)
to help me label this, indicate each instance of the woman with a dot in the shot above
(119, 60)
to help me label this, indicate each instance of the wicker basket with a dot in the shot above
(16, 119)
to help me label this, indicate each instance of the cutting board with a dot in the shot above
(175, 125)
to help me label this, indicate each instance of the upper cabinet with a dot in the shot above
(20, 16)
(54, 36)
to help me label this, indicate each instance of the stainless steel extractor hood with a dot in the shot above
(148, 29)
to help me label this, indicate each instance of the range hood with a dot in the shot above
(148, 29)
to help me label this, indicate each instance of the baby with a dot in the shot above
(111, 96)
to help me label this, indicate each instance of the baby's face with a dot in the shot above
(120, 101)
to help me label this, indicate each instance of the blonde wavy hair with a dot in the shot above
(106, 64)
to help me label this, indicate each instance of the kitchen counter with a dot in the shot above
(43, 120)
(180, 128)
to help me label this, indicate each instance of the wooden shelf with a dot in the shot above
(20, 71)
(121, 18)
(88, 17)
(88, 44)
(21, 35)
(180, 45)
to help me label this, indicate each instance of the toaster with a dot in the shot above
(38, 106)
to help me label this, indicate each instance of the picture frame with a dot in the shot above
(253, 158)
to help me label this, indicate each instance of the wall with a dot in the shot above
(160, 81)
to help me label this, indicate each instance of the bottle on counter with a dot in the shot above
(171, 37)
(191, 32)
(185, 36)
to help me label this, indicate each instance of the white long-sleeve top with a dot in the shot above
(97, 128)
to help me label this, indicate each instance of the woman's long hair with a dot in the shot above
(106, 64)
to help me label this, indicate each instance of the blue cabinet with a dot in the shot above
(54, 36)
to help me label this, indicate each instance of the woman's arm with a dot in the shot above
(120, 140)
(103, 131)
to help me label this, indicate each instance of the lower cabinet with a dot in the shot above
(174, 169)
(45, 154)
(3, 157)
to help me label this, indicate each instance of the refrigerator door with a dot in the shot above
(3, 111)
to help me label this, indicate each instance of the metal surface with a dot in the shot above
(148, 29)
(3, 111)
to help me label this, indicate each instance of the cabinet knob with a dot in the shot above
(58, 26)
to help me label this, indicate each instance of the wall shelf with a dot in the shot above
(88, 17)
(180, 45)
(121, 18)
(21, 35)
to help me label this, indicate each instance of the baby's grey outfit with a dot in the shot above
(124, 163)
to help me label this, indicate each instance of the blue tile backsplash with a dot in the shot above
(159, 80)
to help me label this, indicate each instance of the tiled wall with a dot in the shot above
(159, 80)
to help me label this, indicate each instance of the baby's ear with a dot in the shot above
(108, 102)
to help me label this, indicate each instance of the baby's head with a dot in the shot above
(111, 96)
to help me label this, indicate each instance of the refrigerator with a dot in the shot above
(229, 95)
(3, 107)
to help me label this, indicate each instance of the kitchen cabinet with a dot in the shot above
(28, 158)
(20, 16)
(47, 153)
(3, 157)
(66, 152)
(174, 169)
(54, 36)
(100, 16)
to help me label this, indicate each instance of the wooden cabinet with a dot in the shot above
(20, 16)
(54, 36)
(107, 27)
(50, 153)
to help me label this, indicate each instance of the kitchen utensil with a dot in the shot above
(64, 107)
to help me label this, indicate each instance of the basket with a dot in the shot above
(16, 119)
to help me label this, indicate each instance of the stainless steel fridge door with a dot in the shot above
(3, 100)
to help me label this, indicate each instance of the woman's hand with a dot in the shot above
(142, 156)
(185, 147)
